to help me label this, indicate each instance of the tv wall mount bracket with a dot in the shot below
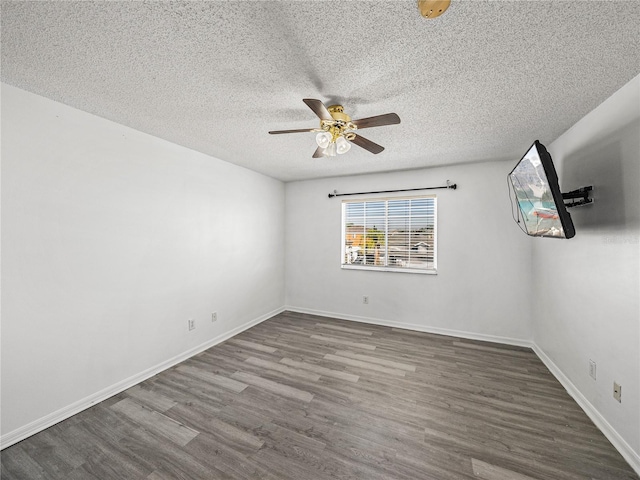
(578, 197)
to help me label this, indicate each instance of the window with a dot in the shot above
(394, 234)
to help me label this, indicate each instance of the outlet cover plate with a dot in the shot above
(617, 392)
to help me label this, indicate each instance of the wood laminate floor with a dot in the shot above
(303, 397)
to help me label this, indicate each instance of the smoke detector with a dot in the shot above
(433, 8)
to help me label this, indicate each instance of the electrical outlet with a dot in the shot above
(192, 324)
(214, 317)
(592, 369)
(365, 299)
(617, 392)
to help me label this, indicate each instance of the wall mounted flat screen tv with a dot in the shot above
(542, 212)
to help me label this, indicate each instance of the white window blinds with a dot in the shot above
(396, 234)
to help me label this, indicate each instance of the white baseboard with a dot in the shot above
(412, 326)
(632, 458)
(62, 414)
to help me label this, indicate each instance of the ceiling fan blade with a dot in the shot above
(318, 108)
(377, 121)
(367, 144)
(319, 153)
(274, 132)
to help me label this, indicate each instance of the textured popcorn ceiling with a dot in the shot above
(481, 82)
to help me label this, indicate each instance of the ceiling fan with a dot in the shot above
(337, 130)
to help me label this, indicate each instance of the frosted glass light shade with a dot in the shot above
(330, 151)
(323, 139)
(342, 146)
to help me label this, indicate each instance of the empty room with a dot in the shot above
(377, 240)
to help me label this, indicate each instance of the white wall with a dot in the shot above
(483, 281)
(588, 288)
(111, 240)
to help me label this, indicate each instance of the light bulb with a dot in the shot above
(342, 146)
(330, 151)
(323, 139)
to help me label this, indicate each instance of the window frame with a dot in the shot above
(386, 268)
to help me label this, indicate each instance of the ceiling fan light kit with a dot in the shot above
(342, 146)
(323, 139)
(337, 130)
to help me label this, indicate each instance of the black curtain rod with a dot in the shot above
(452, 186)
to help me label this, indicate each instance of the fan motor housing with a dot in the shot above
(337, 113)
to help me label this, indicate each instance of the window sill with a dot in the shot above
(389, 269)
